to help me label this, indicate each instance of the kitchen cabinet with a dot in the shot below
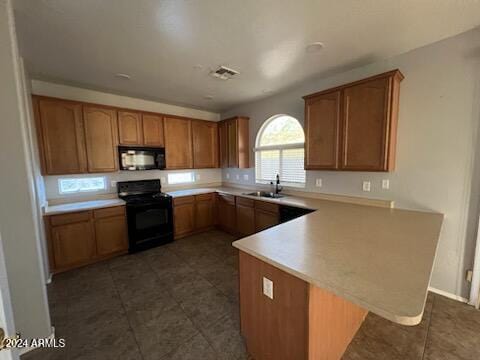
(178, 143)
(61, 139)
(205, 144)
(204, 211)
(266, 215)
(79, 238)
(153, 130)
(322, 129)
(101, 138)
(110, 230)
(353, 127)
(245, 213)
(130, 131)
(234, 142)
(184, 216)
(72, 240)
(227, 218)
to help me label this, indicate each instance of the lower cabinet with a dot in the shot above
(110, 230)
(266, 215)
(80, 238)
(204, 211)
(227, 217)
(184, 216)
(245, 216)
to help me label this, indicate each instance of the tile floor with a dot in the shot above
(180, 301)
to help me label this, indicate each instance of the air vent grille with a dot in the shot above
(224, 73)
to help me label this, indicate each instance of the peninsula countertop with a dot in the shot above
(378, 258)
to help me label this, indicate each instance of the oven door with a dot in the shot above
(149, 224)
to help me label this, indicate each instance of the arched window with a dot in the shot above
(279, 149)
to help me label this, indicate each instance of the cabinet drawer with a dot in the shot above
(63, 219)
(245, 202)
(227, 198)
(266, 206)
(107, 212)
(204, 197)
(183, 200)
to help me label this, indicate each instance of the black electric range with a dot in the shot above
(149, 213)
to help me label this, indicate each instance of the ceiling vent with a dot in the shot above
(224, 73)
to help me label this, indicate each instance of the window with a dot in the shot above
(181, 178)
(76, 185)
(280, 150)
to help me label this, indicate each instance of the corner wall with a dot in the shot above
(437, 139)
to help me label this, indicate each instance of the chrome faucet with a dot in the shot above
(278, 187)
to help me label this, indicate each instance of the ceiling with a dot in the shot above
(168, 47)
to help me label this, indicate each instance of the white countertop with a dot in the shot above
(81, 206)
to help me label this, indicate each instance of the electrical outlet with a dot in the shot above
(113, 183)
(385, 184)
(245, 177)
(318, 182)
(163, 180)
(237, 177)
(366, 186)
(197, 177)
(268, 288)
(227, 176)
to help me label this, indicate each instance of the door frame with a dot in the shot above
(475, 285)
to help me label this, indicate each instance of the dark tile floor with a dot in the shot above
(180, 301)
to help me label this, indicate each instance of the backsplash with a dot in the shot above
(202, 176)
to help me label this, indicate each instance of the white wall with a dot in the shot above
(202, 176)
(17, 206)
(80, 94)
(437, 131)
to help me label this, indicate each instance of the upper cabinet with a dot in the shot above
(234, 143)
(178, 143)
(205, 144)
(153, 130)
(101, 138)
(353, 127)
(60, 136)
(130, 131)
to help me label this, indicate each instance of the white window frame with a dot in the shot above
(81, 191)
(280, 148)
(192, 178)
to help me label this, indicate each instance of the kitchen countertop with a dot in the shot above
(380, 259)
(82, 206)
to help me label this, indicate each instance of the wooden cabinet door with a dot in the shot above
(130, 128)
(245, 219)
(265, 219)
(322, 131)
(73, 244)
(205, 144)
(204, 211)
(101, 138)
(232, 143)
(153, 130)
(61, 136)
(111, 230)
(365, 125)
(184, 215)
(227, 217)
(223, 144)
(178, 143)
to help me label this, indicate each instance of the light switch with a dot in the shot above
(385, 184)
(366, 186)
(268, 288)
(318, 182)
(163, 180)
(245, 177)
(227, 176)
(197, 177)
(237, 177)
(113, 183)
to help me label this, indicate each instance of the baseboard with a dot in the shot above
(448, 295)
(28, 349)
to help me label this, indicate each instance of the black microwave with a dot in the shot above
(141, 158)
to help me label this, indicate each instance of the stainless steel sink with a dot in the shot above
(264, 194)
